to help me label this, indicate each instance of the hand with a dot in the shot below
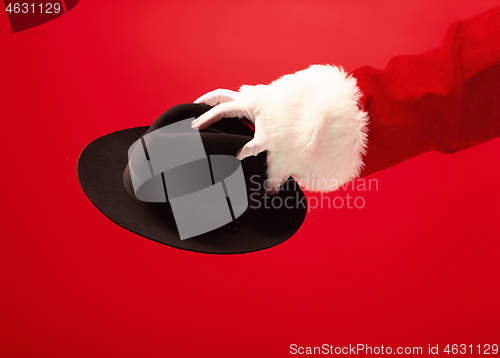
(228, 104)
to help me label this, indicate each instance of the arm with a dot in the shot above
(309, 122)
(314, 123)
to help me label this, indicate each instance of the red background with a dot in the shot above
(417, 266)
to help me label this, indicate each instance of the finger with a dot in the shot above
(217, 96)
(258, 144)
(261, 133)
(254, 147)
(224, 110)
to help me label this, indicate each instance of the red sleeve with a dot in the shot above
(447, 99)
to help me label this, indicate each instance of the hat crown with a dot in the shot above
(193, 176)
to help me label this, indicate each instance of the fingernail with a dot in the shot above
(193, 125)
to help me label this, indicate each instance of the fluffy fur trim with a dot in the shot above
(316, 130)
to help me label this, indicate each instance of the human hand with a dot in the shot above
(309, 122)
(228, 104)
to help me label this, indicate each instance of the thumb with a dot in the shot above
(254, 147)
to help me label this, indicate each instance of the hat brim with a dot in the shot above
(100, 172)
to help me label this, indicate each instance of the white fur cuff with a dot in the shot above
(316, 131)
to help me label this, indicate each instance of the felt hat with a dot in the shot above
(186, 188)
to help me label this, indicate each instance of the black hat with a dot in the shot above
(107, 171)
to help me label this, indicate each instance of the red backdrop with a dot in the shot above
(417, 265)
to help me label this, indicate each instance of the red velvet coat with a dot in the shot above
(447, 99)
